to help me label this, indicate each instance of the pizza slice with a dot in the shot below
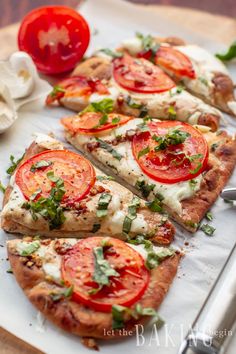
(97, 287)
(137, 87)
(56, 192)
(178, 167)
(198, 70)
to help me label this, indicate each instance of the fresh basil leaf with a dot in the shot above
(143, 152)
(144, 188)
(118, 312)
(132, 104)
(111, 53)
(192, 184)
(109, 148)
(104, 178)
(230, 54)
(207, 229)
(154, 258)
(214, 146)
(14, 164)
(40, 164)
(209, 216)
(132, 214)
(2, 188)
(155, 205)
(172, 113)
(145, 311)
(179, 89)
(57, 89)
(103, 203)
(29, 248)
(66, 293)
(148, 44)
(173, 137)
(102, 268)
(115, 120)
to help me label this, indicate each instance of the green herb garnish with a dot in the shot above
(230, 54)
(109, 148)
(208, 229)
(2, 188)
(14, 164)
(173, 137)
(105, 178)
(192, 184)
(57, 89)
(143, 152)
(148, 44)
(111, 53)
(172, 113)
(156, 204)
(103, 203)
(40, 164)
(144, 188)
(49, 208)
(209, 216)
(66, 293)
(29, 248)
(132, 214)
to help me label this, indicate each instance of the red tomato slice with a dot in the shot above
(77, 173)
(78, 267)
(174, 62)
(175, 163)
(56, 37)
(89, 122)
(140, 75)
(76, 86)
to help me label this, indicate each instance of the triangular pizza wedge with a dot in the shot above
(176, 166)
(97, 287)
(203, 74)
(136, 86)
(58, 193)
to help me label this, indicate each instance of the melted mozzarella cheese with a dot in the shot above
(144, 253)
(133, 45)
(114, 93)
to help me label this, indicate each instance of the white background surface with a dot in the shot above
(205, 256)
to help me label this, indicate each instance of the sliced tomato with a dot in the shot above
(140, 75)
(91, 122)
(78, 267)
(174, 62)
(56, 37)
(76, 86)
(77, 173)
(175, 163)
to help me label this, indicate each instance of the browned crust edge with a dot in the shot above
(76, 318)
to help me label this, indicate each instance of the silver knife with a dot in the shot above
(228, 193)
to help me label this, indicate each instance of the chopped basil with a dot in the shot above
(214, 146)
(66, 293)
(9, 271)
(111, 53)
(56, 89)
(103, 203)
(143, 152)
(119, 312)
(230, 54)
(109, 148)
(207, 229)
(179, 89)
(209, 216)
(132, 214)
(144, 188)
(115, 120)
(14, 164)
(131, 103)
(2, 188)
(148, 44)
(173, 137)
(35, 194)
(172, 113)
(102, 269)
(104, 178)
(30, 248)
(143, 112)
(40, 164)
(95, 228)
(49, 208)
(192, 184)
(104, 106)
(155, 205)
(155, 258)
(191, 224)
(196, 169)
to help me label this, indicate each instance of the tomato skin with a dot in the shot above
(66, 165)
(76, 86)
(124, 290)
(159, 166)
(56, 37)
(86, 123)
(140, 75)
(175, 61)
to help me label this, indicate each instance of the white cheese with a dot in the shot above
(114, 93)
(53, 269)
(47, 142)
(143, 252)
(133, 45)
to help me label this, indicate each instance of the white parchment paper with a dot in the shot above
(205, 256)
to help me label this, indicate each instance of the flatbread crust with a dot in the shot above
(19, 220)
(221, 163)
(74, 317)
